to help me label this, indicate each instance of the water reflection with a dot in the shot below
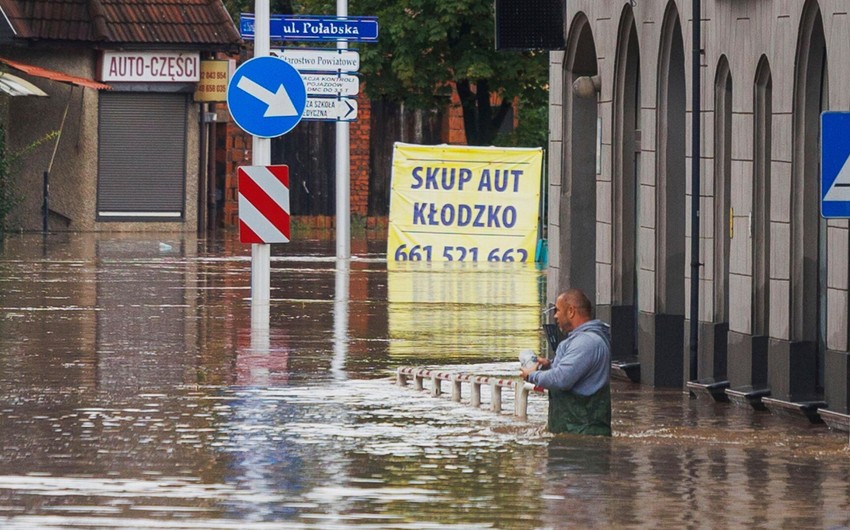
(143, 323)
(474, 310)
(135, 392)
(342, 279)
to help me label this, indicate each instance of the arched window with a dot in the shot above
(722, 187)
(577, 199)
(670, 190)
(625, 188)
(760, 221)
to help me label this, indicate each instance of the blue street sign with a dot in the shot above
(835, 165)
(266, 97)
(314, 28)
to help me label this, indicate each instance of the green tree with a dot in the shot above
(427, 47)
(234, 7)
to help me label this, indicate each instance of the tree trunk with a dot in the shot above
(480, 123)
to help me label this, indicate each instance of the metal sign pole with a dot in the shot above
(261, 253)
(343, 169)
(341, 309)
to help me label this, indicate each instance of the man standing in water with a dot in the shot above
(578, 379)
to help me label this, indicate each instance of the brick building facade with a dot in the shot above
(235, 150)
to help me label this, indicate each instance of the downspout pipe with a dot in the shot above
(202, 170)
(695, 191)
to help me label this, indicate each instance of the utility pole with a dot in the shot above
(343, 168)
(262, 156)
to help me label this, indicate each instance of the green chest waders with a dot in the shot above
(569, 412)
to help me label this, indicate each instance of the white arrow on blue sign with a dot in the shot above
(266, 97)
(835, 165)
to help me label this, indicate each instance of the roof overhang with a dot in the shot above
(53, 75)
(16, 86)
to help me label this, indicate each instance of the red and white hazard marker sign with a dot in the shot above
(263, 204)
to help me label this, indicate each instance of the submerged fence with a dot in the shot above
(521, 389)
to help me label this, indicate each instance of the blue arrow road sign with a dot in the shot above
(835, 164)
(266, 97)
(314, 28)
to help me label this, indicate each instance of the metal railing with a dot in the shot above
(521, 389)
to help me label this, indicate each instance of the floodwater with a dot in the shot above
(134, 393)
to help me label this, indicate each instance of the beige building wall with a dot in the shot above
(742, 34)
(74, 172)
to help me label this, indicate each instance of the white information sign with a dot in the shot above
(331, 84)
(328, 109)
(327, 60)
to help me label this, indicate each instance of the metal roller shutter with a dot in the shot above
(142, 159)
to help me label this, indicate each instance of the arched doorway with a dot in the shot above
(661, 333)
(577, 194)
(625, 190)
(795, 371)
(713, 342)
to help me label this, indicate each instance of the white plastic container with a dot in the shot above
(527, 358)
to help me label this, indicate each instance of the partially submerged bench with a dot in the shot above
(837, 421)
(626, 369)
(709, 387)
(805, 408)
(748, 396)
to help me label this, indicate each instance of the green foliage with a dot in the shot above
(9, 163)
(234, 7)
(532, 129)
(8, 193)
(424, 45)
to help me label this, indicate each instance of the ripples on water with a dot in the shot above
(134, 394)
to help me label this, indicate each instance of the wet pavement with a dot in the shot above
(134, 394)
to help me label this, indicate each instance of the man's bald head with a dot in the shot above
(572, 309)
(577, 299)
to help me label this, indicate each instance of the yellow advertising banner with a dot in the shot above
(464, 203)
(212, 85)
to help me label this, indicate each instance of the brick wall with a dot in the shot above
(453, 131)
(359, 137)
(237, 152)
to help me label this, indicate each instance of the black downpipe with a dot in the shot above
(202, 170)
(695, 190)
(212, 181)
(45, 205)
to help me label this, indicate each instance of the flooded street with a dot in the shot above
(133, 394)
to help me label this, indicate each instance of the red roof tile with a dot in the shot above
(204, 23)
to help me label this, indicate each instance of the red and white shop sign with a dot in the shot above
(150, 66)
(263, 204)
